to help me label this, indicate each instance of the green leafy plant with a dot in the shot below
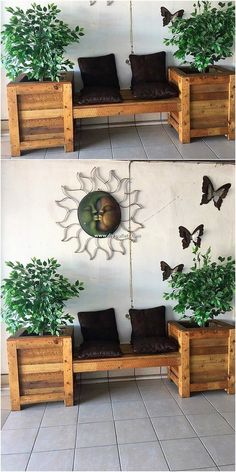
(207, 289)
(34, 297)
(207, 36)
(34, 42)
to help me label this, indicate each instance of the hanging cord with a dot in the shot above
(131, 37)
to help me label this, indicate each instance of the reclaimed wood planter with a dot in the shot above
(207, 103)
(40, 368)
(207, 357)
(40, 114)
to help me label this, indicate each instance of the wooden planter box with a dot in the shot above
(207, 357)
(40, 368)
(40, 114)
(207, 103)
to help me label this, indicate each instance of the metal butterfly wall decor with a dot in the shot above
(168, 271)
(188, 237)
(168, 16)
(209, 193)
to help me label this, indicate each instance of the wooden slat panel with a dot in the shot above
(41, 398)
(28, 88)
(40, 101)
(40, 355)
(45, 390)
(199, 387)
(45, 113)
(204, 88)
(199, 132)
(205, 96)
(35, 342)
(202, 108)
(204, 377)
(208, 342)
(36, 135)
(68, 118)
(42, 376)
(34, 368)
(203, 361)
(13, 375)
(42, 123)
(42, 143)
(231, 362)
(13, 121)
(68, 372)
(205, 350)
(231, 108)
(209, 80)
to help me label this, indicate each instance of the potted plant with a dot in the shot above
(40, 96)
(40, 348)
(206, 345)
(206, 90)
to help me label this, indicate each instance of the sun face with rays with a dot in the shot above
(100, 214)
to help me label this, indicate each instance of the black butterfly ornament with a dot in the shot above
(209, 193)
(168, 16)
(188, 237)
(168, 271)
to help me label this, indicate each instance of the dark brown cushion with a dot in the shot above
(148, 67)
(155, 90)
(148, 322)
(100, 70)
(154, 345)
(98, 325)
(99, 349)
(92, 95)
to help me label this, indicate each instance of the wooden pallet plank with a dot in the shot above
(13, 375)
(183, 371)
(231, 362)
(68, 372)
(14, 129)
(68, 118)
(231, 109)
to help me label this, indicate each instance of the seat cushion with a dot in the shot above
(148, 322)
(93, 95)
(99, 70)
(155, 90)
(99, 349)
(148, 67)
(98, 325)
(154, 345)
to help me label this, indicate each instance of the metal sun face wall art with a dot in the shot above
(104, 218)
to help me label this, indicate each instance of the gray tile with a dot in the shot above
(206, 425)
(124, 391)
(195, 405)
(61, 155)
(205, 468)
(230, 417)
(153, 390)
(134, 431)
(96, 392)
(14, 462)
(18, 440)
(124, 137)
(27, 418)
(162, 407)
(223, 148)
(221, 401)
(5, 402)
(60, 416)
(153, 135)
(95, 153)
(53, 460)
(163, 153)
(97, 458)
(172, 388)
(33, 154)
(221, 448)
(196, 150)
(142, 456)
(4, 416)
(95, 434)
(129, 410)
(228, 467)
(129, 154)
(172, 427)
(55, 438)
(91, 413)
(186, 454)
(96, 138)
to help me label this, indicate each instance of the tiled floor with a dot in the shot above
(142, 142)
(126, 425)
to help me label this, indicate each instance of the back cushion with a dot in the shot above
(148, 322)
(99, 71)
(98, 325)
(148, 67)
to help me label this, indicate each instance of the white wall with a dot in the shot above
(107, 29)
(170, 194)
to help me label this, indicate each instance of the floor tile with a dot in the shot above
(97, 458)
(129, 154)
(120, 373)
(171, 387)
(92, 413)
(172, 427)
(134, 431)
(95, 434)
(206, 425)
(4, 416)
(60, 416)
(95, 153)
(194, 405)
(196, 150)
(186, 454)
(204, 470)
(18, 440)
(14, 462)
(96, 138)
(221, 401)
(162, 407)
(61, 155)
(163, 153)
(129, 410)
(153, 136)
(230, 417)
(125, 137)
(221, 448)
(34, 154)
(96, 392)
(53, 460)
(153, 390)
(124, 391)
(142, 456)
(220, 145)
(227, 467)
(27, 418)
(55, 438)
